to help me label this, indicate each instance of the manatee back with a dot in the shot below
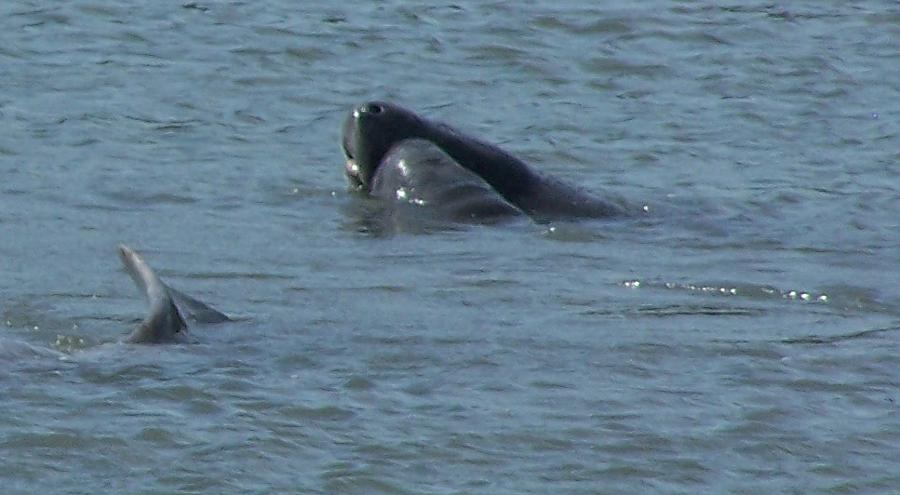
(543, 197)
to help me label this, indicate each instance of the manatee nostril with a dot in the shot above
(373, 108)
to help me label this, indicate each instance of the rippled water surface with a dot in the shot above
(740, 336)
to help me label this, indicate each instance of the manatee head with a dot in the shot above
(369, 131)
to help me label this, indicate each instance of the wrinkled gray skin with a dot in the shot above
(372, 129)
(164, 322)
(417, 172)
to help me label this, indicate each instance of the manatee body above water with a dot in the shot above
(395, 154)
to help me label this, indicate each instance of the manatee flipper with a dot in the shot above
(418, 172)
(164, 322)
(196, 310)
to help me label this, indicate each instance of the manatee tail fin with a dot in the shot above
(195, 309)
(164, 322)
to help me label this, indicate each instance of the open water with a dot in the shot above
(740, 336)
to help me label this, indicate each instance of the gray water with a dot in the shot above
(740, 336)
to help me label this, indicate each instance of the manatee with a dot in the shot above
(372, 130)
(165, 321)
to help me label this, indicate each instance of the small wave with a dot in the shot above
(839, 297)
(733, 290)
(834, 339)
(323, 413)
(136, 197)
